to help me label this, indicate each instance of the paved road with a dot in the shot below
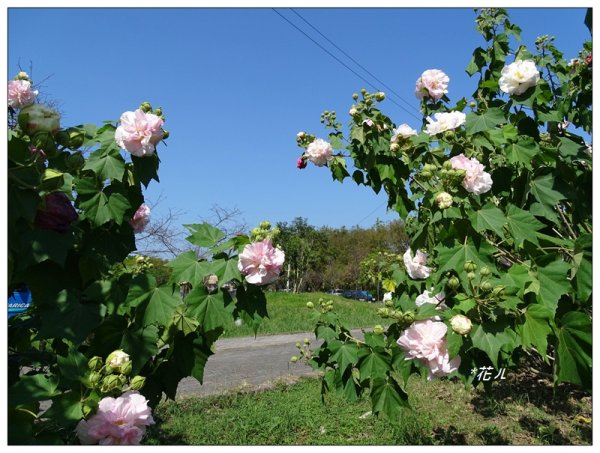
(250, 362)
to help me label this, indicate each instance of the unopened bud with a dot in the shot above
(265, 225)
(75, 161)
(158, 111)
(443, 200)
(306, 341)
(145, 107)
(22, 75)
(95, 378)
(408, 317)
(95, 363)
(426, 174)
(137, 382)
(453, 283)
(470, 266)
(110, 383)
(470, 275)
(363, 91)
(389, 303)
(126, 367)
(294, 359)
(380, 96)
(461, 324)
(355, 96)
(310, 305)
(116, 359)
(498, 290)
(87, 410)
(447, 165)
(166, 134)
(486, 287)
(300, 135)
(484, 271)
(353, 112)
(378, 329)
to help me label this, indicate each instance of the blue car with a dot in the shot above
(359, 295)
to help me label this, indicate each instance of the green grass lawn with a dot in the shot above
(445, 413)
(288, 314)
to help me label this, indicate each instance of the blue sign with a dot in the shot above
(18, 302)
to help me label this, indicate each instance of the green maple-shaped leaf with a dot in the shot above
(208, 309)
(489, 217)
(534, 331)
(346, 354)
(106, 165)
(388, 397)
(374, 365)
(522, 225)
(204, 234)
(574, 356)
(102, 208)
(481, 122)
(161, 306)
(553, 283)
(522, 151)
(187, 268)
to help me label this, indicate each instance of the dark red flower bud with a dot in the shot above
(57, 215)
(301, 163)
(588, 60)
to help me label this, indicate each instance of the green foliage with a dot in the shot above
(514, 258)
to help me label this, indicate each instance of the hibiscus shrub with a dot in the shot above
(102, 341)
(495, 193)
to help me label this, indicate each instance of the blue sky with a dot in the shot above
(236, 85)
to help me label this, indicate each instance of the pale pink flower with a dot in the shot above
(476, 180)
(118, 421)
(402, 131)
(426, 298)
(20, 93)
(426, 341)
(433, 83)
(260, 262)
(139, 132)
(319, 152)
(416, 266)
(445, 121)
(518, 77)
(140, 219)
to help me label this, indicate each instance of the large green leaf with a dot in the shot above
(491, 342)
(184, 323)
(204, 235)
(226, 270)
(140, 289)
(161, 306)
(487, 120)
(553, 283)
(106, 165)
(388, 397)
(187, 268)
(522, 151)
(102, 208)
(489, 217)
(251, 305)
(73, 366)
(582, 267)
(208, 309)
(453, 258)
(141, 345)
(574, 358)
(345, 354)
(32, 388)
(146, 168)
(542, 189)
(522, 225)
(374, 365)
(40, 245)
(66, 409)
(191, 353)
(534, 331)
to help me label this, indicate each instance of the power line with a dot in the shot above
(355, 62)
(371, 213)
(341, 62)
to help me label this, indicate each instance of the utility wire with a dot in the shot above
(342, 63)
(372, 212)
(355, 62)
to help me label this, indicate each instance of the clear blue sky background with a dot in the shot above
(236, 85)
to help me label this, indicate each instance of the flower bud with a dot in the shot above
(380, 96)
(45, 141)
(145, 107)
(498, 290)
(95, 378)
(453, 283)
(486, 287)
(470, 275)
(95, 363)
(443, 200)
(87, 410)
(389, 303)
(369, 102)
(166, 134)
(137, 382)
(300, 135)
(408, 317)
(353, 112)
(363, 91)
(383, 312)
(378, 329)
(110, 383)
(75, 161)
(265, 225)
(355, 96)
(394, 147)
(426, 174)
(126, 367)
(472, 104)
(470, 266)
(37, 118)
(301, 163)
(298, 344)
(158, 111)
(306, 341)
(447, 165)
(461, 324)
(484, 271)
(294, 359)
(310, 305)
(117, 359)
(22, 75)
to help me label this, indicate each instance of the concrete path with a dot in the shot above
(251, 363)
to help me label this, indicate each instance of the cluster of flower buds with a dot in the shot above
(110, 376)
(367, 101)
(142, 264)
(304, 350)
(324, 306)
(329, 119)
(263, 231)
(71, 138)
(303, 139)
(404, 318)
